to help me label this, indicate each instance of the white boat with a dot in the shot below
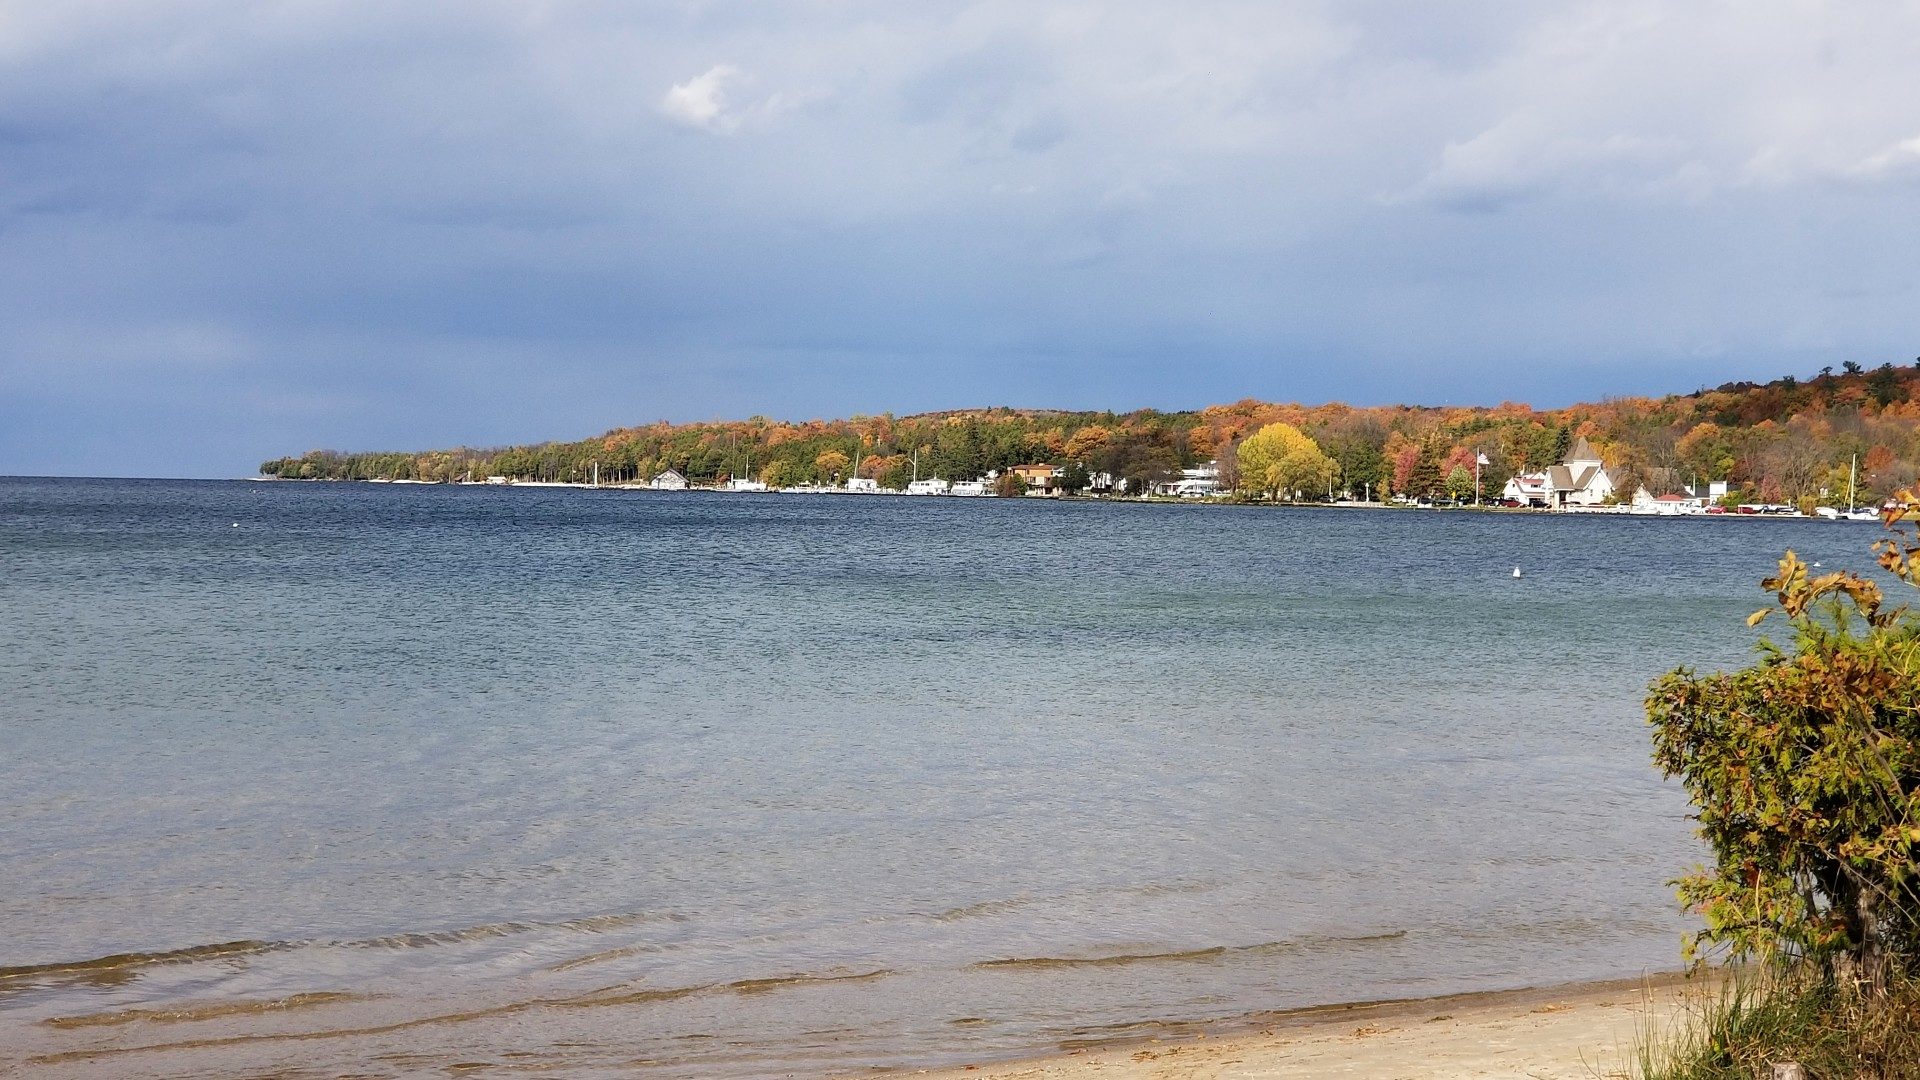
(1855, 513)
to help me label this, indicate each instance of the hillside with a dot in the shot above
(1780, 441)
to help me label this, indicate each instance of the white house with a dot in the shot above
(863, 485)
(1666, 505)
(1198, 482)
(1580, 480)
(1529, 489)
(671, 480)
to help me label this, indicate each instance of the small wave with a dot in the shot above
(629, 995)
(987, 908)
(103, 965)
(608, 996)
(423, 939)
(207, 1011)
(1206, 955)
(624, 996)
(1111, 960)
(601, 957)
(984, 907)
(590, 924)
(95, 1053)
(782, 982)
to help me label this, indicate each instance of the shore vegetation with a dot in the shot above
(1785, 441)
(1804, 771)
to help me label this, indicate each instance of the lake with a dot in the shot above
(345, 777)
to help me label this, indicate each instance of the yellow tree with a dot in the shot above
(831, 463)
(1280, 459)
(777, 474)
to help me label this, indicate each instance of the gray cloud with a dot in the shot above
(230, 230)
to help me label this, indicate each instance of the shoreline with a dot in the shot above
(1157, 500)
(1569, 1031)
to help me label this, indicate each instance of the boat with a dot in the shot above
(1855, 513)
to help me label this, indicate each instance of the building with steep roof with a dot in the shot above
(1581, 479)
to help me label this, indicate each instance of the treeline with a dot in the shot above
(1783, 441)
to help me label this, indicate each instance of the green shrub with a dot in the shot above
(1804, 770)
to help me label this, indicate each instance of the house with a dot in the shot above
(1529, 489)
(671, 480)
(1669, 505)
(1039, 478)
(1580, 480)
(863, 485)
(1198, 482)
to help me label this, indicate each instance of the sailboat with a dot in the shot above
(737, 484)
(1854, 513)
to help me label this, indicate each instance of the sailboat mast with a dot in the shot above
(1852, 472)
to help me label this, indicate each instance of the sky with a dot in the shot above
(236, 229)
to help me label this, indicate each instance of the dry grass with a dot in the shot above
(1831, 1027)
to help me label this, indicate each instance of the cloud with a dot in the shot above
(1898, 162)
(708, 102)
(701, 101)
(1101, 204)
(1521, 159)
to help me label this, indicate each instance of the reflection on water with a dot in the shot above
(343, 777)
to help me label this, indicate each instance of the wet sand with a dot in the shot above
(1582, 1031)
(1577, 1032)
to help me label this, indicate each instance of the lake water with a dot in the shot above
(324, 778)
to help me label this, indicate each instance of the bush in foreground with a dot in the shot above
(1805, 773)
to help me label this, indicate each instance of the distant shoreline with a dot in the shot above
(1160, 500)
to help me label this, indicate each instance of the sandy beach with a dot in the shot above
(1577, 1032)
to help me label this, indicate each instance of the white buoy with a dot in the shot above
(236, 524)
(1516, 571)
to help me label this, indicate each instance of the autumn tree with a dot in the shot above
(1087, 442)
(778, 474)
(831, 464)
(1426, 477)
(1280, 460)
